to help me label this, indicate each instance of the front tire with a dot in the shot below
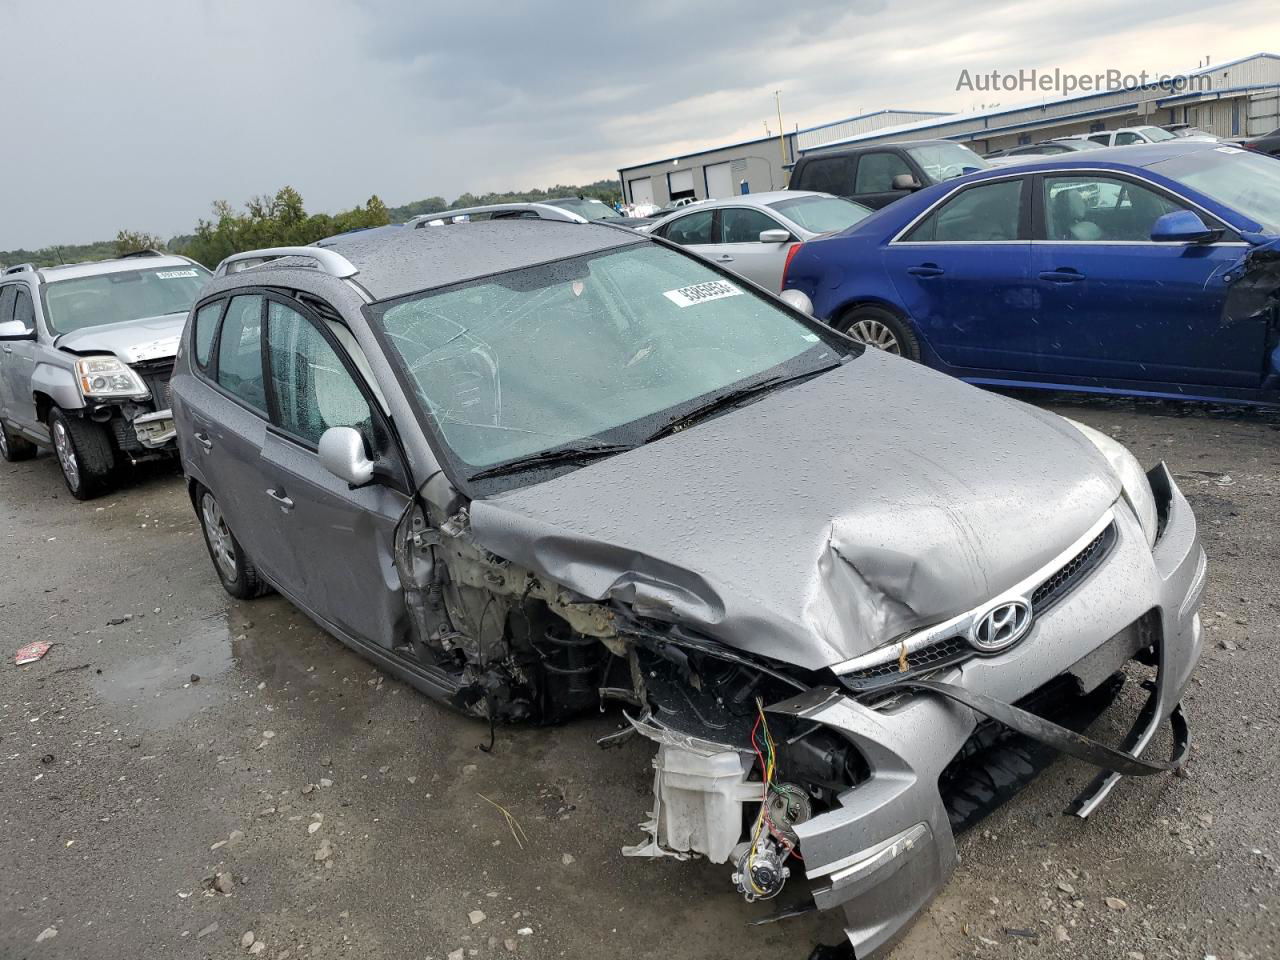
(13, 447)
(235, 569)
(85, 454)
(882, 329)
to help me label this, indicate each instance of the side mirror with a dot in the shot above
(16, 330)
(905, 181)
(797, 300)
(775, 236)
(342, 453)
(1182, 226)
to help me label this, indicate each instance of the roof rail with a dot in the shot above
(328, 261)
(143, 253)
(21, 268)
(542, 211)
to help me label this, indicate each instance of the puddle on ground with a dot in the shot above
(273, 642)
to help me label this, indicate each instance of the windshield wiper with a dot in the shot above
(732, 398)
(552, 457)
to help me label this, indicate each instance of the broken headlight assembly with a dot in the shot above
(1137, 489)
(107, 377)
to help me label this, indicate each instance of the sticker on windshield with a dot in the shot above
(1228, 149)
(701, 293)
(174, 274)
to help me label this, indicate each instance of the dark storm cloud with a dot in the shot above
(140, 114)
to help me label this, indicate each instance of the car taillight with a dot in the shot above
(787, 265)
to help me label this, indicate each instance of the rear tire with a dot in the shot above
(85, 454)
(235, 569)
(13, 447)
(882, 329)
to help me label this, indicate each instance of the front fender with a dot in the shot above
(59, 384)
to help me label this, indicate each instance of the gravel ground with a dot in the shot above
(188, 776)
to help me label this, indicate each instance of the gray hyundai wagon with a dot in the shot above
(533, 466)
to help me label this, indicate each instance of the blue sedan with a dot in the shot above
(1150, 270)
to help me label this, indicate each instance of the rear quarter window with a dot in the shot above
(205, 326)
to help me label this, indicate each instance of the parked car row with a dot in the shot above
(530, 460)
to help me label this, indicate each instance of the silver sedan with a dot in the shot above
(754, 234)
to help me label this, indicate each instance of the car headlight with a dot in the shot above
(1137, 489)
(108, 377)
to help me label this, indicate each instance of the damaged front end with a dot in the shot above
(856, 775)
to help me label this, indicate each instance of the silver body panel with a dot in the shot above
(38, 374)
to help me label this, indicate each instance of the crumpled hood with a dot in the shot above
(130, 340)
(822, 521)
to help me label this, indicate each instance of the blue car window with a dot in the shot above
(1101, 209)
(984, 213)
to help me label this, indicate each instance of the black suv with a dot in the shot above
(880, 173)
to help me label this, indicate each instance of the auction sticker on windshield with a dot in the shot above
(701, 293)
(174, 274)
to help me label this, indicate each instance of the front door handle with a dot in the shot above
(7, 348)
(1062, 276)
(204, 441)
(724, 258)
(926, 270)
(281, 498)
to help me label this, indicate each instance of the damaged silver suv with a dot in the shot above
(531, 465)
(86, 351)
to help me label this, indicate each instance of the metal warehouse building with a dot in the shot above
(751, 166)
(1240, 98)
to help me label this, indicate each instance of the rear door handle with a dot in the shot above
(204, 441)
(926, 270)
(7, 348)
(1062, 276)
(281, 498)
(724, 258)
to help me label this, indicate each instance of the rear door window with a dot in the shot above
(828, 175)
(23, 310)
(239, 365)
(7, 296)
(979, 214)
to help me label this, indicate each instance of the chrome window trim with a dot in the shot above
(1103, 171)
(959, 625)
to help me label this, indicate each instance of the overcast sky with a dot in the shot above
(137, 114)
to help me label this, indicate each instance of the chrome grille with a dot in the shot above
(940, 654)
(1072, 572)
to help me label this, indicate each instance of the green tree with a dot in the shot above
(131, 241)
(277, 220)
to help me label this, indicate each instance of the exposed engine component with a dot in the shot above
(788, 805)
(761, 873)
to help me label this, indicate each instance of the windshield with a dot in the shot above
(1156, 134)
(942, 161)
(591, 209)
(821, 214)
(595, 349)
(117, 297)
(1247, 182)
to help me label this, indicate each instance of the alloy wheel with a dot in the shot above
(4, 442)
(875, 334)
(66, 452)
(220, 542)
